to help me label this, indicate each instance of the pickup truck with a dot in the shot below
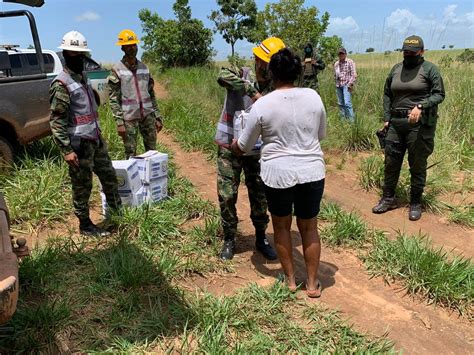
(24, 104)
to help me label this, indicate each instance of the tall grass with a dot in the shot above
(194, 107)
(196, 102)
(435, 274)
(37, 188)
(371, 177)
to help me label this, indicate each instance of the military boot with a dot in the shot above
(414, 213)
(228, 249)
(87, 228)
(387, 202)
(263, 246)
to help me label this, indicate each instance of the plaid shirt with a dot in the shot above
(345, 72)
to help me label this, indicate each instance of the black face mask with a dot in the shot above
(308, 52)
(131, 52)
(412, 61)
(75, 63)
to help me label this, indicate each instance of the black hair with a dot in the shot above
(285, 66)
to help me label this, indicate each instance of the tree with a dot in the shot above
(181, 42)
(370, 50)
(235, 20)
(328, 47)
(443, 46)
(451, 46)
(292, 22)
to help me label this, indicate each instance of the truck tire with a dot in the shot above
(6, 154)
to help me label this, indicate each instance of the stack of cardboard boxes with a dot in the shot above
(141, 179)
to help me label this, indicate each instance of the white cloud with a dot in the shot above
(88, 16)
(449, 11)
(339, 24)
(401, 20)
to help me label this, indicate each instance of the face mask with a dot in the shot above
(262, 72)
(308, 52)
(131, 52)
(411, 61)
(75, 63)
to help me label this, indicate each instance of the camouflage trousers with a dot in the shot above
(147, 128)
(310, 82)
(418, 140)
(93, 158)
(229, 169)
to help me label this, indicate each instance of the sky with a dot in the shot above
(381, 24)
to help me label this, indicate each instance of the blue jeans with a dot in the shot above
(344, 102)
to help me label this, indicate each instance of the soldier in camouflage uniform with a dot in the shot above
(132, 98)
(413, 91)
(75, 129)
(312, 65)
(242, 90)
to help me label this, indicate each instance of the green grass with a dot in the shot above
(433, 273)
(371, 177)
(123, 293)
(119, 296)
(193, 109)
(463, 215)
(37, 188)
(439, 276)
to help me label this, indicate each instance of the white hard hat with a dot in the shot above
(74, 41)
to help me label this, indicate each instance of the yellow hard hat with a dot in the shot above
(268, 47)
(127, 37)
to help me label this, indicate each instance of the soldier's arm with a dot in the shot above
(151, 91)
(232, 81)
(319, 63)
(387, 97)
(437, 88)
(59, 104)
(115, 97)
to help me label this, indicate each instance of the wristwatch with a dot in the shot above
(419, 107)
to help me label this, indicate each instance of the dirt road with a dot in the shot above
(369, 303)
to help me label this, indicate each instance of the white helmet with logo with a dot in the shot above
(74, 41)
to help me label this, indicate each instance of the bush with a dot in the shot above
(466, 57)
(446, 61)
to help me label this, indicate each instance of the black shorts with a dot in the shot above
(306, 199)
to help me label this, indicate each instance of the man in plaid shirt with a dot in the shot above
(345, 73)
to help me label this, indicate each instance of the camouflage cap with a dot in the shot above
(413, 44)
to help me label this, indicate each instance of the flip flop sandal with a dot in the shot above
(314, 293)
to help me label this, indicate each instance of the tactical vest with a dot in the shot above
(308, 68)
(235, 102)
(83, 117)
(136, 100)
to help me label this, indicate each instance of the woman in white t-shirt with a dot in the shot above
(291, 121)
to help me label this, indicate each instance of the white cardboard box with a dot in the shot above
(132, 199)
(152, 165)
(156, 190)
(240, 121)
(128, 176)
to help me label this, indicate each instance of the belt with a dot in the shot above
(399, 113)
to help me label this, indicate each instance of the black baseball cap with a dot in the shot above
(413, 44)
(342, 50)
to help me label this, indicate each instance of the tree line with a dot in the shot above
(185, 41)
